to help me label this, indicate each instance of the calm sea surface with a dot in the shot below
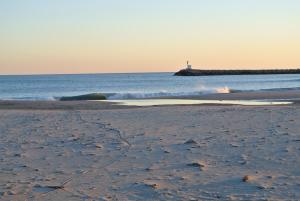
(135, 85)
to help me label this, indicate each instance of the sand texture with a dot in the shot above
(154, 153)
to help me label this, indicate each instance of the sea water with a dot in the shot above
(136, 85)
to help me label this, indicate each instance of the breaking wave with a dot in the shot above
(164, 94)
(137, 95)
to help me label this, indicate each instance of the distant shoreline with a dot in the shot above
(198, 72)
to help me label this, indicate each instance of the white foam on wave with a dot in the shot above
(163, 93)
(121, 96)
(223, 90)
(196, 91)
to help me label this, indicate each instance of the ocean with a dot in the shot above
(136, 85)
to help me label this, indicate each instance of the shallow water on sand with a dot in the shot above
(156, 102)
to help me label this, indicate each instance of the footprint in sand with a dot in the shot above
(199, 164)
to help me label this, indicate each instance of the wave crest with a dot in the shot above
(120, 96)
(223, 90)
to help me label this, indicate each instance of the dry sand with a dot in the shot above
(153, 153)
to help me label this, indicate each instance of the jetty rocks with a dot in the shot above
(197, 72)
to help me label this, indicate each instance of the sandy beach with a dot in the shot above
(150, 100)
(104, 152)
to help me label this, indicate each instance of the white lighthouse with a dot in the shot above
(188, 66)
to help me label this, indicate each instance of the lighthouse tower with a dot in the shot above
(188, 66)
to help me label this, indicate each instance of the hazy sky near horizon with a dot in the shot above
(89, 36)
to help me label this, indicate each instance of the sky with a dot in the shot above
(102, 36)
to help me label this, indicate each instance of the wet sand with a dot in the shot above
(288, 95)
(98, 151)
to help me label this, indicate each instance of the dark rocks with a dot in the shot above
(196, 72)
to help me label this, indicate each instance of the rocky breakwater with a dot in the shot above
(196, 72)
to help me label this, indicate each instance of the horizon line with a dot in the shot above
(135, 72)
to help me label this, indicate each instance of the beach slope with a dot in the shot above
(152, 153)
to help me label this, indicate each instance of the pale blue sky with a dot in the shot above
(71, 36)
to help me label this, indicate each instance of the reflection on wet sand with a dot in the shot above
(155, 102)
